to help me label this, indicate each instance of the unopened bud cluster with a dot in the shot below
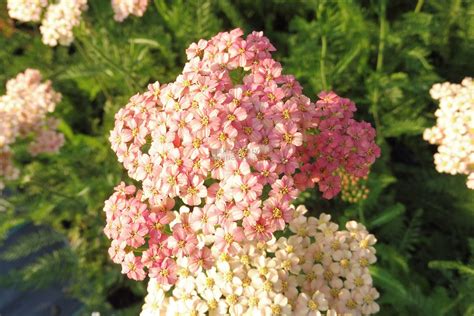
(353, 189)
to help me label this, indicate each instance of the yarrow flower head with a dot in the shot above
(318, 269)
(124, 8)
(26, 10)
(23, 112)
(221, 153)
(454, 130)
(60, 19)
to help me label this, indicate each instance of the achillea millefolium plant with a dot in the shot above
(222, 152)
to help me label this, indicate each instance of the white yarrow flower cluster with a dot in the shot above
(124, 8)
(23, 112)
(59, 21)
(454, 130)
(317, 270)
(26, 10)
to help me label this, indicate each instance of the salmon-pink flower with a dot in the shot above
(181, 243)
(133, 267)
(228, 238)
(204, 219)
(201, 259)
(261, 230)
(165, 272)
(245, 188)
(194, 191)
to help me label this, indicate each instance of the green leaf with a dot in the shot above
(387, 216)
(452, 265)
(387, 281)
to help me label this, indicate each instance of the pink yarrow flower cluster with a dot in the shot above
(23, 112)
(318, 269)
(454, 130)
(124, 8)
(227, 146)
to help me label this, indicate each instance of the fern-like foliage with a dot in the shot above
(412, 235)
(30, 243)
(55, 267)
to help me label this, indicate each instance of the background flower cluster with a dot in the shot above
(454, 130)
(24, 109)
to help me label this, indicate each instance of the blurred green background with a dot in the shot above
(384, 55)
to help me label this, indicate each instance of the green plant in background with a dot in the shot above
(385, 55)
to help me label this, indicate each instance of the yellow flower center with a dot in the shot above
(276, 309)
(248, 130)
(228, 238)
(197, 143)
(210, 282)
(288, 138)
(253, 301)
(276, 212)
(231, 299)
(312, 305)
(351, 304)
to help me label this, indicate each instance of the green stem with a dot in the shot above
(419, 5)
(324, 46)
(378, 68)
(360, 210)
(322, 61)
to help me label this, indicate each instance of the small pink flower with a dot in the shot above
(201, 259)
(228, 238)
(181, 243)
(194, 191)
(133, 267)
(277, 212)
(261, 230)
(165, 272)
(246, 188)
(204, 219)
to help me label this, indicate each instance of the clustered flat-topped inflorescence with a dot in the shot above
(318, 268)
(228, 154)
(124, 8)
(58, 18)
(23, 112)
(454, 130)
